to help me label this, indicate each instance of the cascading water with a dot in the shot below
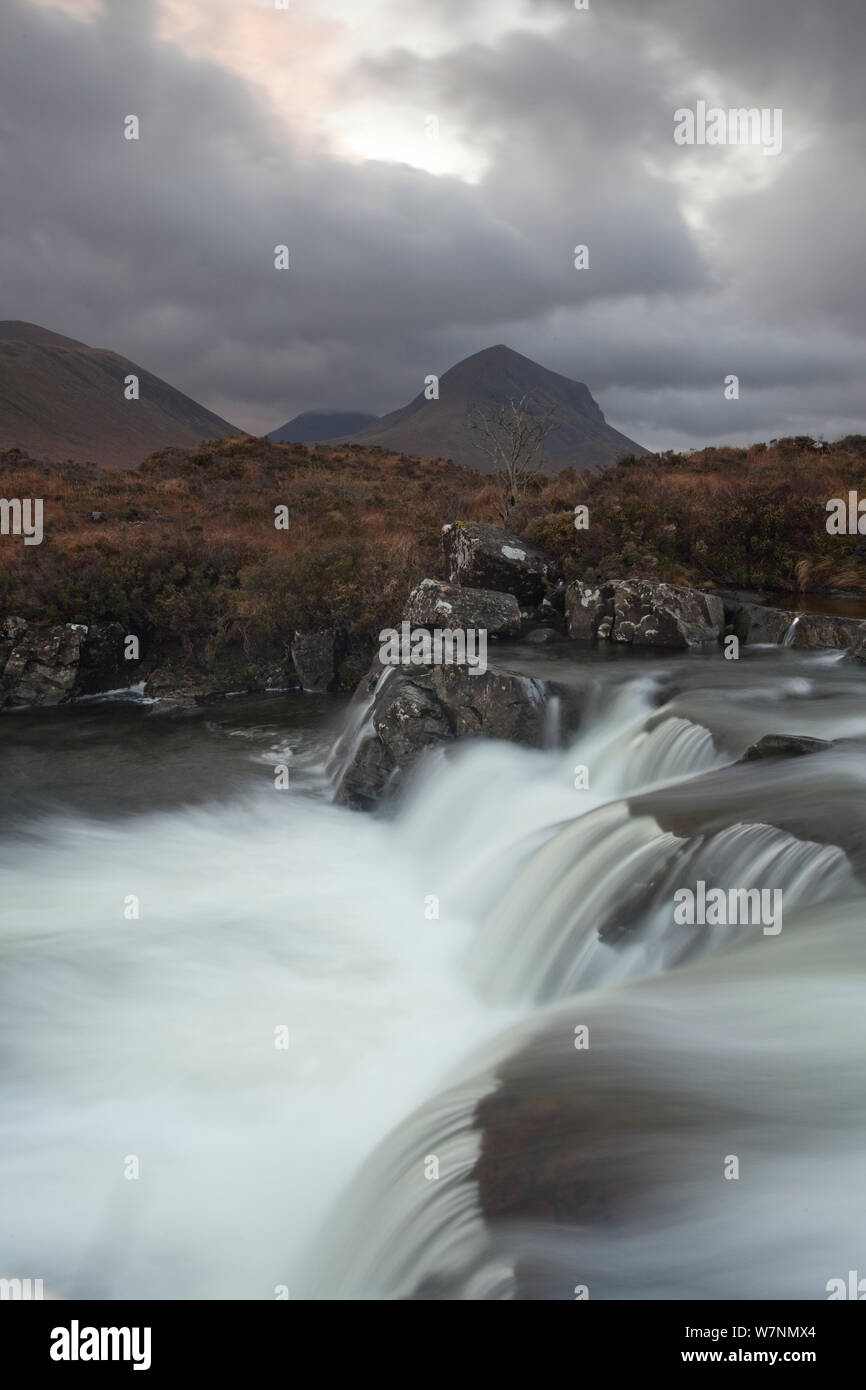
(431, 1129)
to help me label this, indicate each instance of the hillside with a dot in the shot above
(321, 426)
(184, 551)
(581, 438)
(65, 400)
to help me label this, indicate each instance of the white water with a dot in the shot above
(155, 1037)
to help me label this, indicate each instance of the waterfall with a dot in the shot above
(754, 1055)
(431, 1128)
(788, 639)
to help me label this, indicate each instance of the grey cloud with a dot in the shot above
(162, 249)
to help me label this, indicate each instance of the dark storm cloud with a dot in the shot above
(163, 249)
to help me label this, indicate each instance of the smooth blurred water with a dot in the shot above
(412, 958)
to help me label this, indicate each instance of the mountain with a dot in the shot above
(580, 436)
(63, 399)
(317, 426)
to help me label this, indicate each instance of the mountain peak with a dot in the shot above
(580, 437)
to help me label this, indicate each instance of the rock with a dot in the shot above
(317, 657)
(449, 606)
(42, 666)
(411, 719)
(543, 636)
(643, 613)
(358, 650)
(103, 665)
(98, 516)
(479, 556)
(399, 712)
(784, 746)
(754, 624)
(495, 704)
(858, 651)
(588, 608)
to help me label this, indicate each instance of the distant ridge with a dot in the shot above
(320, 426)
(580, 437)
(65, 400)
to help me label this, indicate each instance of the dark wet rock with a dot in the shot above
(317, 657)
(544, 636)
(643, 613)
(449, 606)
(755, 625)
(784, 746)
(41, 663)
(858, 651)
(103, 665)
(398, 713)
(479, 556)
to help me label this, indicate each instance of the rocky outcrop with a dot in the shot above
(400, 711)
(643, 613)
(754, 625)
(39, 664)
(436, 605)
(316, 657)
(479, 556)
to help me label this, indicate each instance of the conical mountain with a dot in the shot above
(580, 436)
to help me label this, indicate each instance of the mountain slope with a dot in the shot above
(63, 399)
(580, 437)
(317, 426)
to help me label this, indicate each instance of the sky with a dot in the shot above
(431, 166)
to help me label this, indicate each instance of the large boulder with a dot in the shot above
(447, 606)
(40, 664)
(399, 712)
(316, 657)
(643, 613)
(480, 556)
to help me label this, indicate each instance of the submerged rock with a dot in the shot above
(784, 746)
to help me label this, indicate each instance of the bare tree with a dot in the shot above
(512, 435)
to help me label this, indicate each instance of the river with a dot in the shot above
(238, 1021)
